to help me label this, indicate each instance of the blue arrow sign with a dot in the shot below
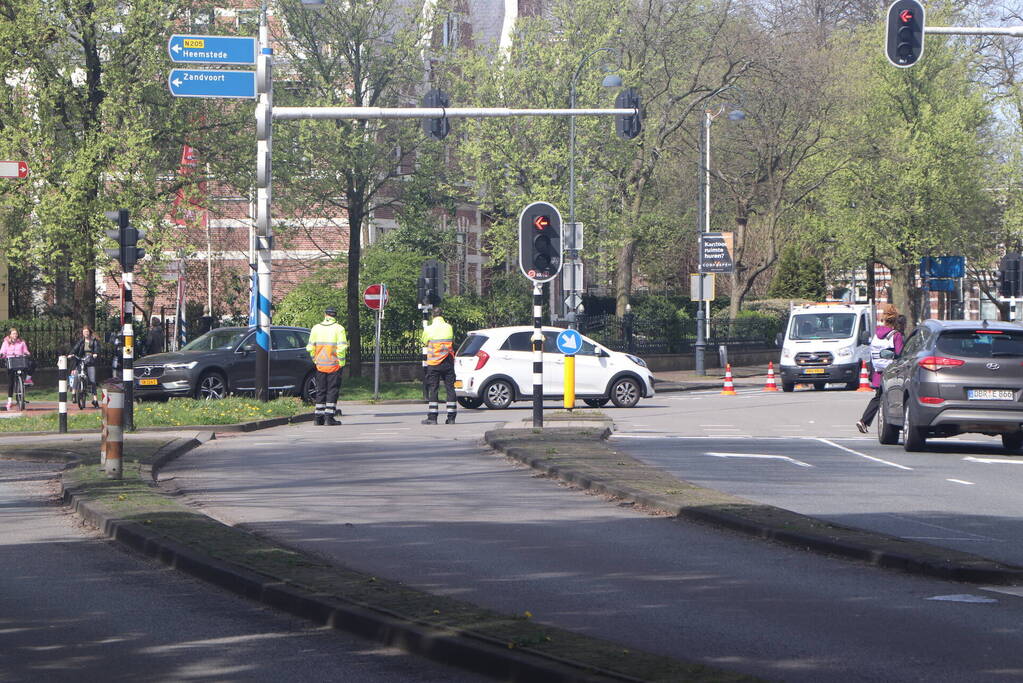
(569, 342)
(212, 49)
(212, 83)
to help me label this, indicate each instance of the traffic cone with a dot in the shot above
(770, 384)
(864, 379)
(729, 388)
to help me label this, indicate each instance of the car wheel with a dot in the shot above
(625, 393)
(788, 387)
(913, 438)
(852, 386)
(1012, 442)
(212, 386)
(470, 403)
(596, 402)
(498, 395)
(309, 388)
(887, 433)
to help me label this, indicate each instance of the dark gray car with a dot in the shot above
(954, 377)
(222, 362)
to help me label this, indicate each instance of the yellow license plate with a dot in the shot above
(149, 382)
(458, 384)
(813, 371)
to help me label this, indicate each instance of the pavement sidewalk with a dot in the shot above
(689, 380)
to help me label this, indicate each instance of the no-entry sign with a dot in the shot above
(13, 169)
(375, 296)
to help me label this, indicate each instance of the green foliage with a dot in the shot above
(798, 276)
(303, 306)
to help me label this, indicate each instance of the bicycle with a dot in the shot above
(19, 366)
(79, 386)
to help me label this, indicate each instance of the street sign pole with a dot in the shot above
(264, 184)
(376, 349)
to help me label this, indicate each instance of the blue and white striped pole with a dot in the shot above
(537, 340)
(264, 184)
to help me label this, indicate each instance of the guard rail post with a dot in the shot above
(113, 420)
(62, 394)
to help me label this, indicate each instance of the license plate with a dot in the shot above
(149, 382)
(813, 371)
(990, 394)
(458, 384)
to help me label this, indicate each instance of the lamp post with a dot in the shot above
(611, 80)
(703, 310)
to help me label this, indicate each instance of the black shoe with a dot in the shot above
(95, 404)
(864, 428)
(331, 422)
(450, 420)
(319, 420)
(430, 421)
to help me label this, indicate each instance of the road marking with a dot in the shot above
(759, 455)
(960, 481)
(1007, 590)
(672, 436)
(864, 455)
(963, 598)
(990, 461)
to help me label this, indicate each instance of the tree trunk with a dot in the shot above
(353, 294)
(904, 293)
(623, 276)
(84, 305)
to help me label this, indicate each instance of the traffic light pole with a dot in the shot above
(128, 357)
(300, 113)
(537, 340)
(264, 230)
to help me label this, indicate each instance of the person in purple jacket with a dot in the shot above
(888, 335)
(14, 345)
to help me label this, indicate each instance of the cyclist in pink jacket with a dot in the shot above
(13, 345)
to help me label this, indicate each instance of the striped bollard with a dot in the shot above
(537, 340)
(62, 394)
(114, 411)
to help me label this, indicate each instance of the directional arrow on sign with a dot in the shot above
(13, 169)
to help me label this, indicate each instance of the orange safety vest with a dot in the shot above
(328, 345)
(439, 340)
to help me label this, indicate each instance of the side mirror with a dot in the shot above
(601, 353)
(778, 339)
(247, 348)
(888, 354)
(864, 337)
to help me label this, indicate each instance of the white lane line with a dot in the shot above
(864, 455)
(672, 436)
(993, 461)
(960, 481)
(760, 456)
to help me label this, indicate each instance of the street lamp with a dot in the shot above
(703, 310)
(611, 80)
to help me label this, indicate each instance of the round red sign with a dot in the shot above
(375, 296)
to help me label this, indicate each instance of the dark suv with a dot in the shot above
(222, 362)
(954, 377)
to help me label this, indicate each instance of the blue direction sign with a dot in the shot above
(212, 49)
(212, 83)
(569, 342)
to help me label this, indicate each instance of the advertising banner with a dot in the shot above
(716, 252)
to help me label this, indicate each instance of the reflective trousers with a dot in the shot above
(328, 385)
(435, 374)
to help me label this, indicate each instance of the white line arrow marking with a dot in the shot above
(760, 456)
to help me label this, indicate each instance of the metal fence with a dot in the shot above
(48, 339)
(633, 334)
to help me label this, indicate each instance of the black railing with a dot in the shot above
(633, 334)
(48, 339)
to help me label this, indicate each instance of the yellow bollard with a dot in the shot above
(570, 382)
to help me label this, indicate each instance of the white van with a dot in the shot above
(825, 343)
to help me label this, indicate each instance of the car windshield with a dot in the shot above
(981, 343)
(822, 325)
(216, 339)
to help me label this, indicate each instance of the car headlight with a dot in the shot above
(786, 354)
(181, 366)
(637, 360)
(847, 352)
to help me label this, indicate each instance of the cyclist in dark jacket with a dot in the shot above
(87, 350)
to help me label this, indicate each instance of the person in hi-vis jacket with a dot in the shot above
(438, 338)
(328, 345)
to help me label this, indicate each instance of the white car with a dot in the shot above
(495, 367)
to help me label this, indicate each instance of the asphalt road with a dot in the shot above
(74, 607)
(425, 505)
(800, 451)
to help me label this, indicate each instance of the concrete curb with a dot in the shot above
(465, 650)
(770, 522)
(236, 427)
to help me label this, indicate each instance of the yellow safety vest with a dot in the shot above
(328, 345)
(438, 337)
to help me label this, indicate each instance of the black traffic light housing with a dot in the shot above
(127, 236)
(540, 248)
(1009, 272)
(904, 39)
(431, 283)
(628, 126)
(438, 128)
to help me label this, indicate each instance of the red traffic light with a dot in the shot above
(541, 222)
(906, 16)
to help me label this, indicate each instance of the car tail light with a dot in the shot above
(933, 363)
(481, 359)
(931, 400)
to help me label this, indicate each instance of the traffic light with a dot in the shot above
(905, 35)
(1009, 272)
(628, 126)
(431, 283)
(127, 236)
(436, 128)
(540, 241)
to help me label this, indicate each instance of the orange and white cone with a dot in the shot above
(729, 388)
(770, 384)
(864, 379)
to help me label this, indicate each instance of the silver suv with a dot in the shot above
(954, 377)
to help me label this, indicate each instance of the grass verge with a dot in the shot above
(134, 499)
